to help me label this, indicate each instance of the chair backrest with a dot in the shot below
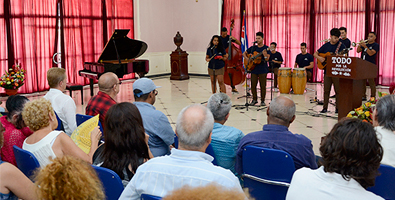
(112, 184)
(149, 197)
(60, 124)
(82, 118)
(209, 150)
(25, 161)
(267, 172)
(385, 185)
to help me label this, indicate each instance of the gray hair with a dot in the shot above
(386, 112)
(281, 110)
(194, 125)
(220, 105)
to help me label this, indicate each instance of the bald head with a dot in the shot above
(194, 125)
(107, 82)
(281, 110)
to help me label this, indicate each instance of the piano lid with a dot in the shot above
(126, 48)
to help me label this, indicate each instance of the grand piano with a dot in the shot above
(118, 56)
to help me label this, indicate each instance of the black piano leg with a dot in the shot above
(91, 85)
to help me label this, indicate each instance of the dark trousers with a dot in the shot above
(262, 84)
(372, 85)
(275, 72)
(328, 81)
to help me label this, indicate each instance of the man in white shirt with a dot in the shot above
(188, 165)
(63, 105)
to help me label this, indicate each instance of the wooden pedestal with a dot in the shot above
(179, 65)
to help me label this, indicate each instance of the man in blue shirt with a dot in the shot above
(156, 124)
(305, 60)
(224, 139)
(275, 61)
(275, 135)
(369, 53)
(334, 47)
(343, 37)
(187, 165)
(260, 71)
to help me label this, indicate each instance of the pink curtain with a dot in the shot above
(32, 35)
(3, 40)
(231, 10)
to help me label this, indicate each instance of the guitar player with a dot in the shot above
(331, 47)
(260, 71)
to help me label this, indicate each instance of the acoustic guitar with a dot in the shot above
(327, 54)
(253, 60)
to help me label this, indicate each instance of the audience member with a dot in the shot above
(156, 124)
(351, 157)
(224, 139)
(68, 178)
(275, 135)
(63, 105)
(15, 129)
(13, 183)
(45, 143)
(126, 145)
(208, 192)
(384, 122)
(108, 89)
(188, 165)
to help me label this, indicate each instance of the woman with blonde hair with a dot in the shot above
(46, 143)
(68, 178)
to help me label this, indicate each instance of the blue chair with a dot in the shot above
(112, 184)
(267, 172)
(60, 123)
(384, 185)
(82, 118)
(149, 197)
(209, 150)
(25, 161)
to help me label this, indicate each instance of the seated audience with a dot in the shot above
(108, 89)
(384, 122)
(68, 178)
(224, 139)
(275, 135)
(126, 145)
(46, 143)
(63, 104)
(208, 192)
(15, 129)
(13, 183)
(156, 124)
(351, 156)
(188, 165)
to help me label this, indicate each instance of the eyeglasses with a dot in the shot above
(155, 92)
(119, 82)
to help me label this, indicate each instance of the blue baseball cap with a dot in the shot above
(145, 85)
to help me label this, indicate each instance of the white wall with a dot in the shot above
(157, 22)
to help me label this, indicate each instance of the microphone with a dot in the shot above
(255, 42)
(213, 46)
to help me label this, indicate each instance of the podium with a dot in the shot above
(351, 72)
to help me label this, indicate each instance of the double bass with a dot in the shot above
(234, 71)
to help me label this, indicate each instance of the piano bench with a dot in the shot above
(71, 87)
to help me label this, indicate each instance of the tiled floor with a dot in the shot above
(175, 95)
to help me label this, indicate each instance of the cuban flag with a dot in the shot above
(244, 39)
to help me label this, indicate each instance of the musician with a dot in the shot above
(260, 71)
(275, 61)
(225, 41)
(305, 60)
(333, 46)
(369, 53)
(216, 57)
(343, 37)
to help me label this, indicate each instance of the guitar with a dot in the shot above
(327, 54)
(253, 60)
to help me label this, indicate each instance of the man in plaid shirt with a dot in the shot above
(108, 89)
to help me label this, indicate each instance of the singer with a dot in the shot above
(216, 56)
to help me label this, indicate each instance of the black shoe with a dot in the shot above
(337, 110)
(333, 96)
(364, 99)
(253, 102)
(263, 103)
(324, 110)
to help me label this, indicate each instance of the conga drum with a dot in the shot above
(299, 80)
(284, 79)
